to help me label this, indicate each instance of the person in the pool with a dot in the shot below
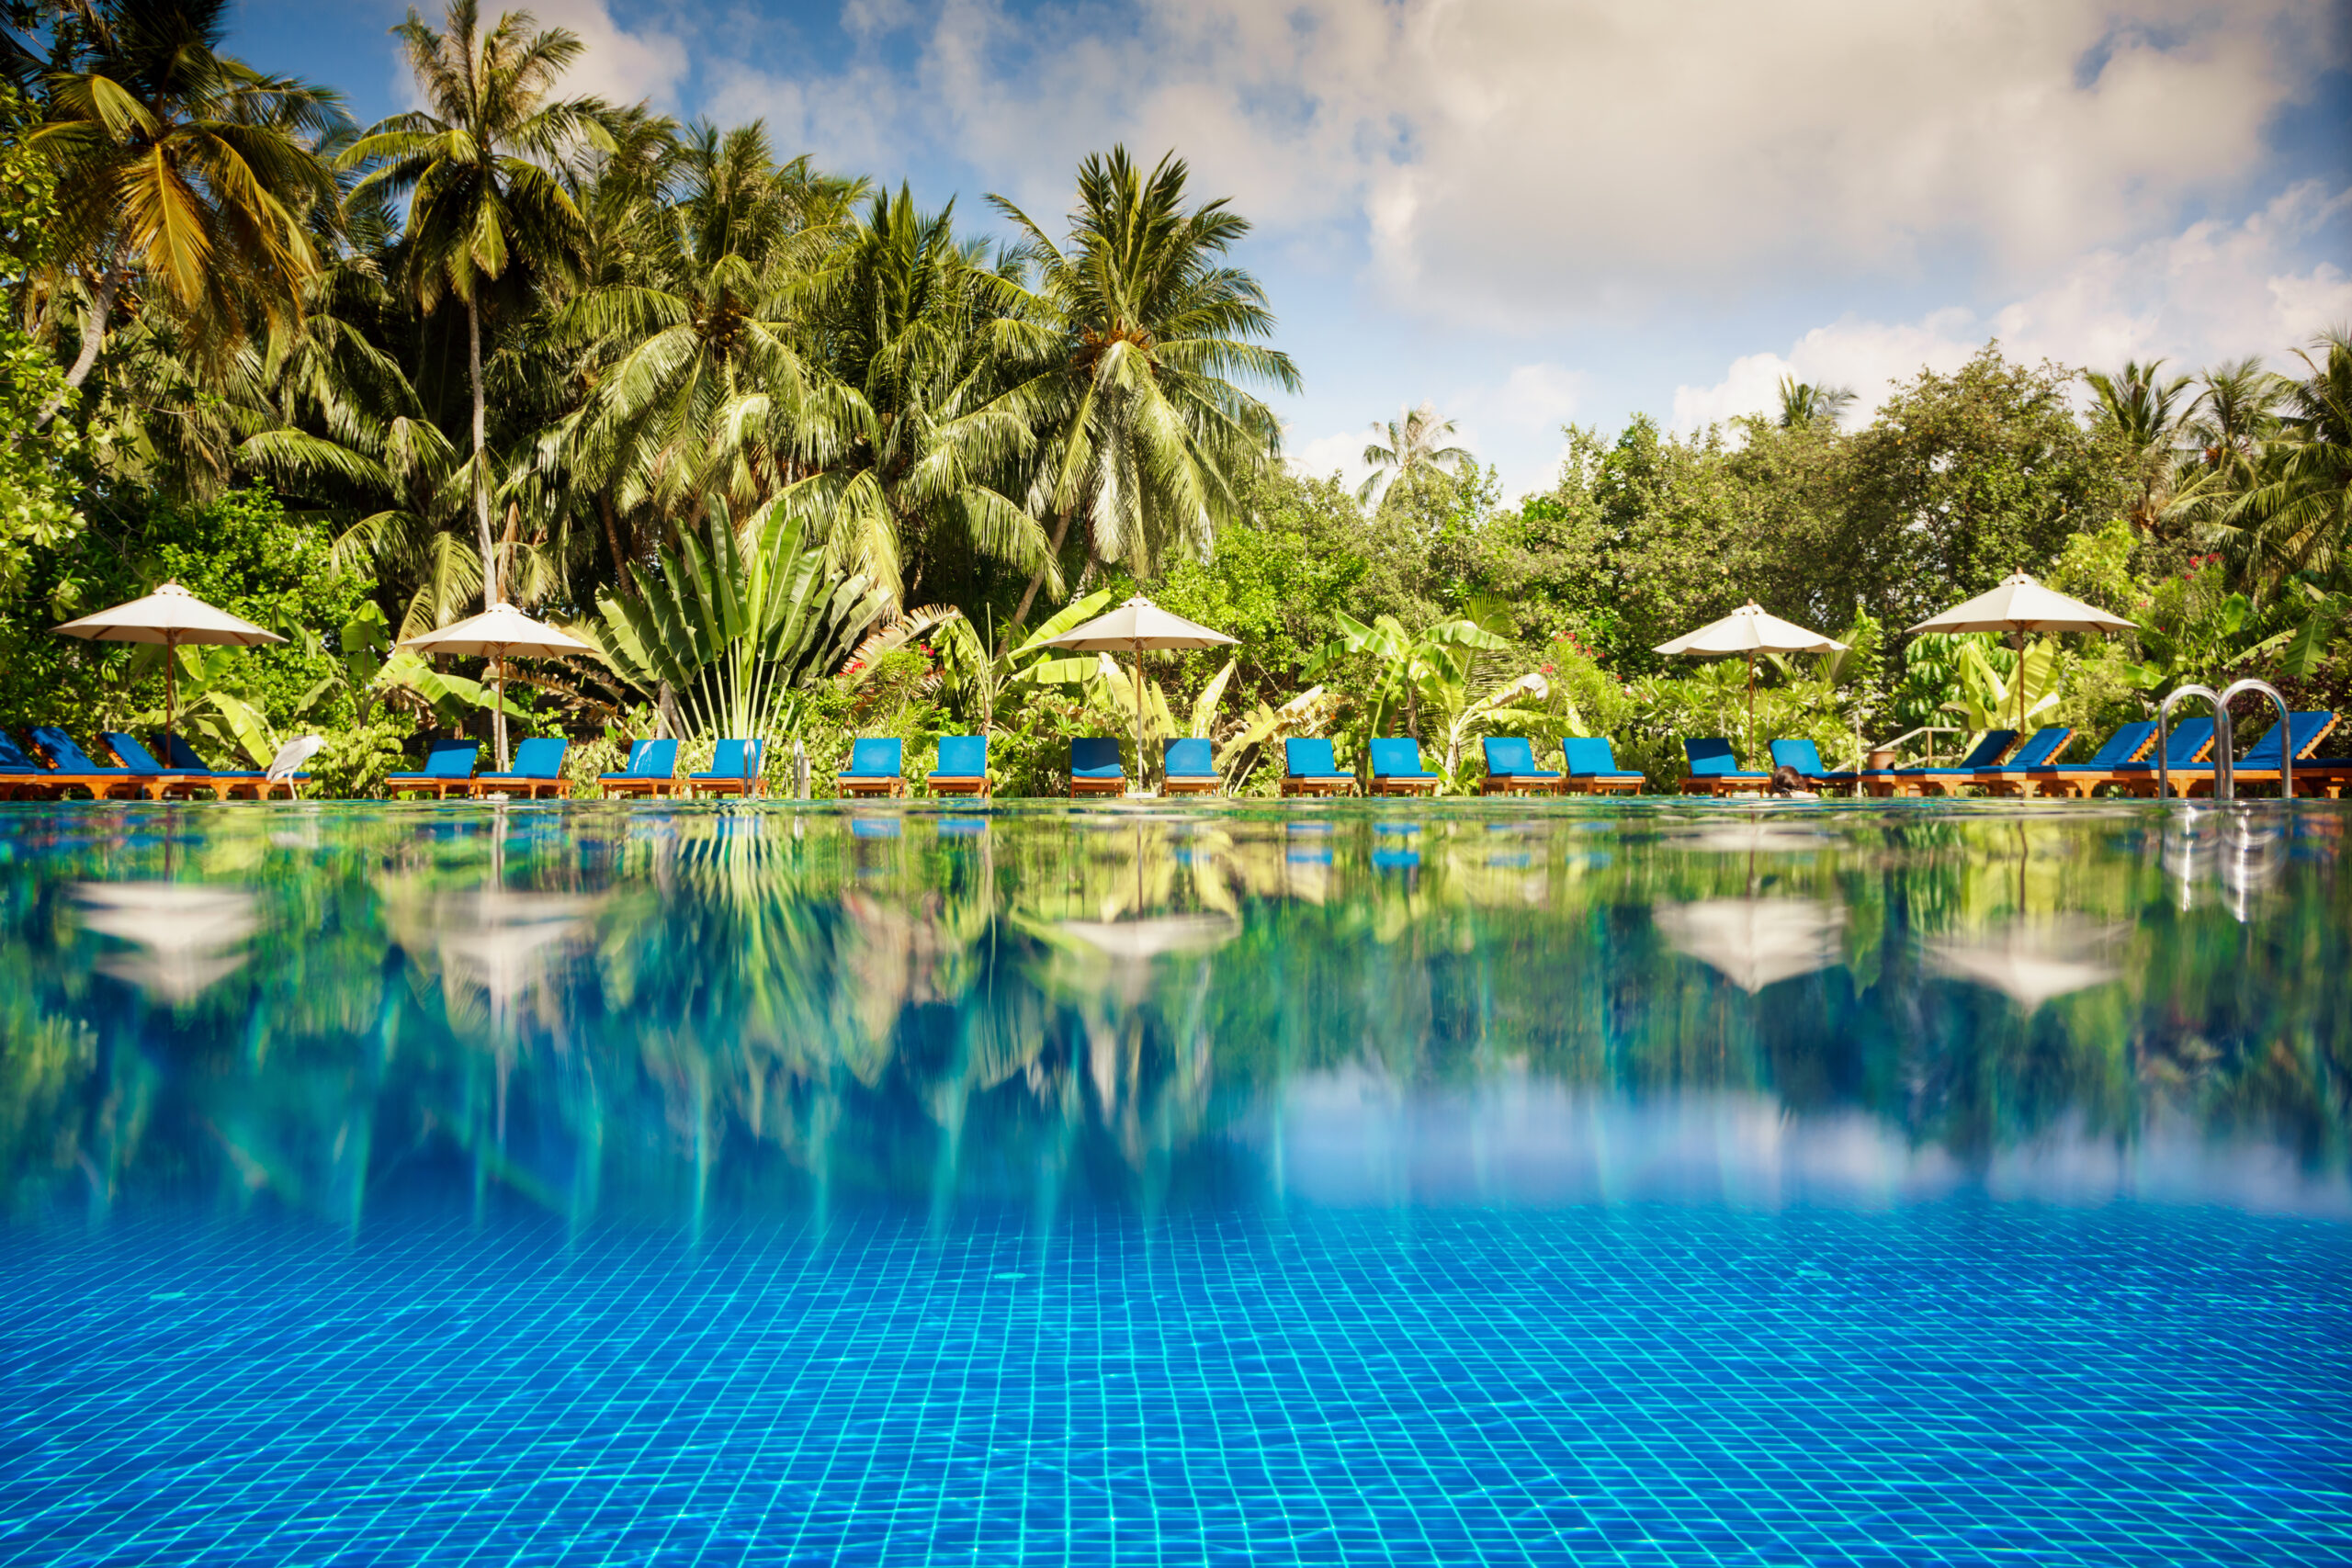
(1790, 785)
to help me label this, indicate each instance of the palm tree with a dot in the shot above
(2296, 511)
(1135, 333)
(1412, 449)
(183, 172)
(1803, 406)
(476, 166)
(2145, 412)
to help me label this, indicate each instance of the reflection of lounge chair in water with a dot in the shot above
(1397, 767)
(876, 767)
(1310, 767)
(2081, 778)
(1189, 767)
(1095, 767)
(962, 767)
(448, 765)
(1512, 770)
(1593, 769)
(539, 768)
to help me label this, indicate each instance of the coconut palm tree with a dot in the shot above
(2145, 412)
(182, 173)
(2295, 514)
(1412, 449)
(1134, 336)
(484, 201)
(1804, 405)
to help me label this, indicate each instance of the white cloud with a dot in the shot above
(619, 63)
(2214, 291)
(1340, 453)
(1509, 160)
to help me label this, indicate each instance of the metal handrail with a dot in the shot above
(2225, 772)
(2221, 735)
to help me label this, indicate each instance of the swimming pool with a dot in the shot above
(1368, 1183)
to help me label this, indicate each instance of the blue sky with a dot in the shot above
(1529, 211)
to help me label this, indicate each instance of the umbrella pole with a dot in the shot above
(498, 713)
(170, 690)
(2018, 636)
(1751, 704)
(1142, 770)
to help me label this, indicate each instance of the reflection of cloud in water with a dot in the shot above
(1754, 942)
(184, 932)
(1350, 1139)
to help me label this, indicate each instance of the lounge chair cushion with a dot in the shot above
(1711, 757)
(875, 757)
(1513, 757)
(962, 756)
(69, 757)
(444, 759)
(1803, 755)
(537, 761)
(13, 759)
(1193, 758)
(2039, 749)
(1314, 762)
(1095, 756)
(2183, 746)
(736, 760)
(1592, 757)
(134, 756)
(1984, 754)
(2121, 747)
(1397, 757)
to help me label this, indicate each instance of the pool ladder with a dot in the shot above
(2224, 780)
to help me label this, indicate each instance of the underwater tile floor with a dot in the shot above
(1958, 1381)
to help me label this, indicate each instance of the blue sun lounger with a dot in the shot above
(71, 768)
(652, 770)
(1310, 767)
(1716, 769)
(183, 758)
(448, 765)
(538, 768)
(1512, 770)
(2043, 747)
(2078, 779)
(877, 766)
(1189, 767)
(1593, 769)
(1803, 755)
(1095, 767)
(962, 767)
(18, 773)
(2187, 744)
(132, 754)
(1987, 750)
(1397, 767)
(734, 770)
(2305, 731)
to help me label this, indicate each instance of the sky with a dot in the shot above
(1529, 213)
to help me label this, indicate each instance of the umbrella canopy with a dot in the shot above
(172, 616)
(1132, 629)
(500, 633)
(2017, 606)
(1749, 630)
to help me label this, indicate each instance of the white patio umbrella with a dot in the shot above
(172, 616)
(1132, 627)
(498, 634)
(2017, 606)
(1748, 630)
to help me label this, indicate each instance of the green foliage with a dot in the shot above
(357, 758)
(37, 457)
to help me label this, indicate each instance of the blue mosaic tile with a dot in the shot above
(1956, 1383)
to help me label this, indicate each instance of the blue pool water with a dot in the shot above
(1653, 1185)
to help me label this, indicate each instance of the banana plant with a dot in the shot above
(1988, 694)
(1114, 686)
(1307, 715)
(977, 682)
(1512, 705)
(735, 631)
(1413, 666)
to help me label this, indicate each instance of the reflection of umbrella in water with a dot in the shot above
(1754, 838)
(1754, 942)
(501, 941)
(185, 933)
(2029, 960)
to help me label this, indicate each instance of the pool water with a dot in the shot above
(1650, 1183)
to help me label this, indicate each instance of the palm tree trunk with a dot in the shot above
(94, 337)
(489, 594)
(1029, 594)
